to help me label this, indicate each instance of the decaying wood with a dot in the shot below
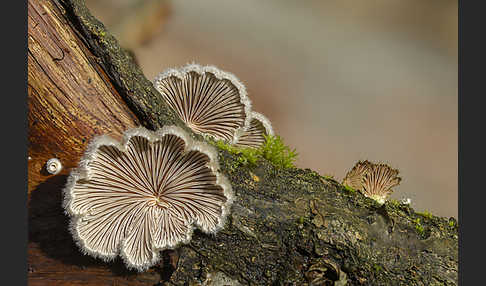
(70, 97)
(287, 226)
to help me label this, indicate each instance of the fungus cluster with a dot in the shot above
(147, 193)
(373, 180)
(214, 103)
(144, 195)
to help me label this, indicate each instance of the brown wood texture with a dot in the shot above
(70, 100)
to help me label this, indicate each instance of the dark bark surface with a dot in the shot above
(286, 227)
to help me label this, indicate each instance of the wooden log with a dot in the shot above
(286, 227)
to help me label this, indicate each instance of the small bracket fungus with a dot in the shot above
(254, 136)
(354, 178)
(53, 166)
(144, 195)
(208, 100)
(373, 180)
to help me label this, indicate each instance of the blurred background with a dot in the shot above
(341, 80)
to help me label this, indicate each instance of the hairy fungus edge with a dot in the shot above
(262, 119)
(221, 181)
(219, 74)
(82, 172)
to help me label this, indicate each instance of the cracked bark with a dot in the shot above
(287, 226)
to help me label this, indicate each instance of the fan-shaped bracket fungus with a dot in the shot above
(373, 180)
(210, 101)
(145, 194)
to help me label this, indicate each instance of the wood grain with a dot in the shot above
(70, 98)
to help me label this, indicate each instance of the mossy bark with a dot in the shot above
(286, 227)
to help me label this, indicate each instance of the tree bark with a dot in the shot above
(286, 227)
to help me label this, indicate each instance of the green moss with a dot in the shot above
(279, 154)
(452, 222)
(425, 214)
(418, 226)
(274, 150)
(420, 229)
(245, 156)
(377, 268)
(394, 202)
(349, 189)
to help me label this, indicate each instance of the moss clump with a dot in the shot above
(394, 203)
(246, 156)
(452, 222)
(420, 229)
(279, 154)
(349, 189)
(425, 214)
(273, 150)
(418, 226)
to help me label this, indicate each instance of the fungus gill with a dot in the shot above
(144, 195)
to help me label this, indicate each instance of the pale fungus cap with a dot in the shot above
(210, 101)
(144, 195)
(254, 135)
(373, 180)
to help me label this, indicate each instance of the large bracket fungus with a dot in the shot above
(214, 103)
(145, 194)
